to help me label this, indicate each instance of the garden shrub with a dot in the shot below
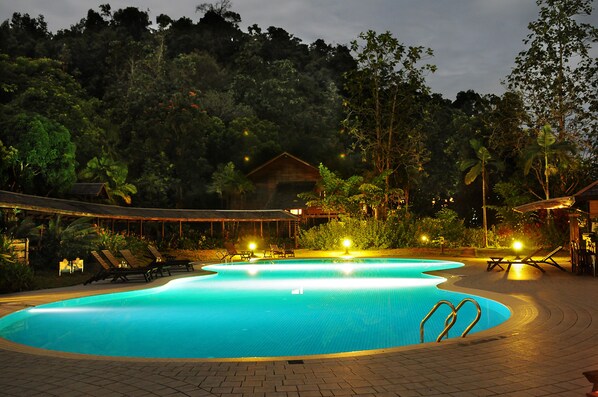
(402, 230)
(364, 234)
(14, 276)
(399, 230)
(111, 241)
(446, 228)
(60, 241)
(192, 240)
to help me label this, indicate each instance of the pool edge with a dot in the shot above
(522, 311)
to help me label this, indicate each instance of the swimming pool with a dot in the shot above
(263, 309)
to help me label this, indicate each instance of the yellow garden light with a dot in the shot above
(252, 246)
(346, 244)
(517, 247)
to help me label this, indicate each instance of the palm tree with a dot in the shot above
(58, 240)
(228, 182)
(477, 166)
(113, 173)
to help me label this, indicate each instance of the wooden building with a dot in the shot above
(277, 185)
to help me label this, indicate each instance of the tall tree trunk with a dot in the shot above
(484, 219)
(546, 186)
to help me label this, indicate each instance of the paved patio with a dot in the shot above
(551, 338)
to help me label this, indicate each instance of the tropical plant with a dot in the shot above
(477, 167)
(512, 195)
(6, 252)
(228, 182)
(547, 158)
(39, 154)
(113, 174)
(376, 193)
(111, 241)
(335, 194)
(59, 241)
(363, 233)
(14, 276)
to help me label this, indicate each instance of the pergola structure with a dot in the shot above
(285, 222)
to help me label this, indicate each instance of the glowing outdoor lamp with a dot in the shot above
(424, 238)
(346, 244)
(517, 247)
(252, 247)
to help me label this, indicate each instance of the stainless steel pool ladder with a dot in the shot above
(451, 319)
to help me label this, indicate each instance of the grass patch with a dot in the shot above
(43, 279)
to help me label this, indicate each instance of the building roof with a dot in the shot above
(282, 157)
(589, 192)
(84, 209)
(89, 190)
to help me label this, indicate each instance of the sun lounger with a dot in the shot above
(528, 260)
(276, 251)
(153, 268)
(289, 252)
(170, 261)
(116, 273)
(231, 252)
(549, 260)
(500, 261)
(123, 264)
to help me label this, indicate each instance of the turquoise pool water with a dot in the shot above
(263, 309)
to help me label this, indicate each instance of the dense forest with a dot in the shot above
(158, 109)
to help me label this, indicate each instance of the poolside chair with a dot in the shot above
(276, 251)
(548, 258)
(289, 252)
(113, 260)
(153, 268)
(231, 252)
(77, 264)
(70, 266)
(64, 266)
(500, 261)
(170, 261)
(123, 264)
(107, 271)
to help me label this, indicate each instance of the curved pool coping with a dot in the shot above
(522, 312)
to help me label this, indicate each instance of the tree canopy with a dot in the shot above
(172, 114)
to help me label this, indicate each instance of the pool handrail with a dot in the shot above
(451, 319)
